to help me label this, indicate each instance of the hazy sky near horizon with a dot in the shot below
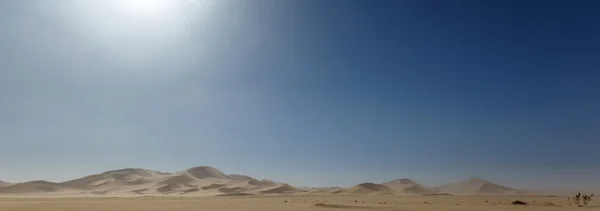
(313, 93)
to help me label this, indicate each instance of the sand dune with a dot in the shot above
(232, 190)
(302, 188)
(254, 186)
(170, 188)
(203, 172)
(240, 177)
(35, 187)
(475, 186)
(202, 180)
(262, 183)
(140, 191)
(122, 181)
(213, 186)
(182, 179)
(268, 183)
(191, 190)
(208, 181)
(117, 177)
(258, 183)
(281, 189)
(407, 186)
(494, 188)
(369, 189)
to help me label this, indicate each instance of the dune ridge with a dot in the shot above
(209, 181)
(407, 186)
(203, 172)
(240, 177)
(281, 189)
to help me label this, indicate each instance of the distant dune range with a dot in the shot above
(208, 181)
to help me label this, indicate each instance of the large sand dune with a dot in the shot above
(407, 186)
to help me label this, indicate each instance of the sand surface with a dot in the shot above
(294, 203)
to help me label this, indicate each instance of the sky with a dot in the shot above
(313, 93)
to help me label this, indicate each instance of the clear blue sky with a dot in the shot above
(314, 93)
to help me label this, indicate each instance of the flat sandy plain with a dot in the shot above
(290, 203)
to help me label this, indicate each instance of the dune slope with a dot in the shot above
(475, 185)
(407, 186)
(368, 189)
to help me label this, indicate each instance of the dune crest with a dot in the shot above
(203, 172)
(407, 186)
(240, 177)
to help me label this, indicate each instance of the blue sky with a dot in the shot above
(314, 93)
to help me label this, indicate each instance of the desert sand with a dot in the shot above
(293, 203)
(206, 188)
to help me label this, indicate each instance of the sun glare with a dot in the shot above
(144, 7)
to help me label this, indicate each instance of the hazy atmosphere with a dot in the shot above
(307, 92)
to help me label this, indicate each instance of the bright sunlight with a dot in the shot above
(145, 7)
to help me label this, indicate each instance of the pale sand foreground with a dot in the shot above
(294, 203)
